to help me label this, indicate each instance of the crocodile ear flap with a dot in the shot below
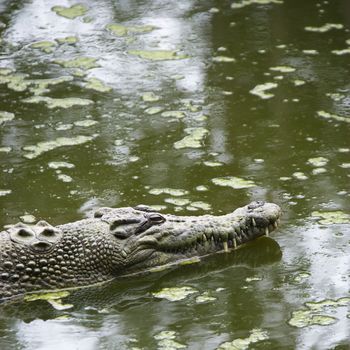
(145, 208)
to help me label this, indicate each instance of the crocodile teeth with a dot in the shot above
(266, 232)
(234, 243)
(225, 247)
(124, 253)
(275, 224)
(204, 237)
(253, 222)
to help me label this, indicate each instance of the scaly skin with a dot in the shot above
(117, 242)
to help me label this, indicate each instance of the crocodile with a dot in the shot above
(119, 242)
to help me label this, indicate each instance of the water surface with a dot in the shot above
(107, 103)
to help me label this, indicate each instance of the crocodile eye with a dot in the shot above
(156, 218)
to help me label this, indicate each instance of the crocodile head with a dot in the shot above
(145, 239)
(121, 241)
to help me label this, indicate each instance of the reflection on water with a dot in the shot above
(121, 103)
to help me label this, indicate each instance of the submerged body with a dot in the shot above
(119, 241)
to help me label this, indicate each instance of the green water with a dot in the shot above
(186, 92)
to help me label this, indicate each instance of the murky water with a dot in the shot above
(109, 103)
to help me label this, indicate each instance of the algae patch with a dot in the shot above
(331, 217)
(166, 341)
(158, 55)
(311, 314)
(71, 12)
(173, 114)
(150, 97)
(81, 62)
(336, 117)
(325, 28)
(244, 3)
(175, 294)
(6, 117)
(154, 110)
(283, 69)
(171, 191)
(318, 161)
(255, 336)
(46, 146)
(260, 90)
(223, 59)
(67, 102)
(45, 46)
(121, 30)
(54, 299)
(234, 182)
(193, 140)
(4, 193)
(97, 85)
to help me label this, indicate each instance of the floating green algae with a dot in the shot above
(234, 182)
(283, 69)
(175, 294)
(244, 3)
(97, 85)
(193, 140)
(299, 175)
(60, 165)
(310, 315)
(72, 12)
(201, 205)
(45, 46)
(81, 62)
(341, 52)
(302, 276)
(150, 97)
(40, 86)
(85, 123)
(317, 171)
(53, 298)
(5, 71)
(325, 28)
(64, 178)
(331, 217)
(177, 201)
(318, 161)
(121, 30)
(345, 165)
(15, 82)
(28, 218)
(66, 102)
(223, 59)
(158, 55)
(5, 149)
(171, 191)
(336, 96)
(327, 115)
(311, 52)
(4, 193)
(165, 341)
(204, 298)
(173, 114)
(6, 117)
(46, 146)
(260, 90)
(70, 40)
(154, 110)
(212, 164)
(255, 336)
(202, 188)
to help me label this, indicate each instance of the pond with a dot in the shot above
(109, 103)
